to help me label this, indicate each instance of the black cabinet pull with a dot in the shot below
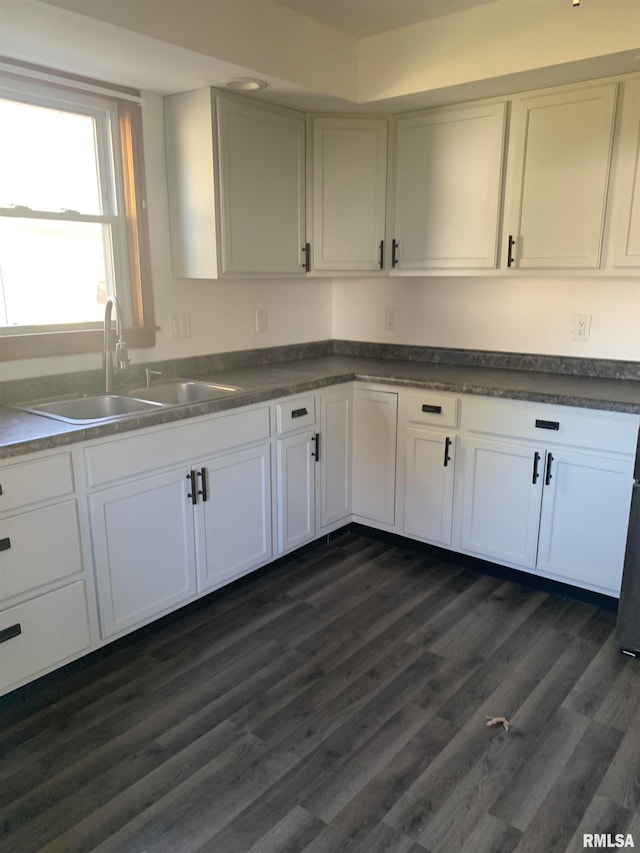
(547, 424)
(299, 413)
(510, 258)
(10, 632)
(394, 252)
(307, 257)
(381, 261)
(5, 544)
(536, 461)
(434, 410)
(447, 445)
(316, 443)
(193, 493)
(548, 475)
(202, 473)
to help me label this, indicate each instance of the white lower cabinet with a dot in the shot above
(559, 507)
(428, 441)
(144, 549)
(313, 466)
(45, 618)
(585, 511)
(375, 418)
(233, 516)
(428, 501)
(501, 512)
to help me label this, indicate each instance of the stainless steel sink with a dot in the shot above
(79, 410)
(180, 392)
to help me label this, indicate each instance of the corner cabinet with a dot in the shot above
(375, 425)
(448, 188)
(349, 193)
(236, 182)
(560, 156)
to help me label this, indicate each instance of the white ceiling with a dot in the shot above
(362, 18)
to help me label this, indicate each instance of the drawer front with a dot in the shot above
(613, 432)
(36, 480)
(139, 453)
(38, 547)
(431, 409)
(292, 415)
(40, 633)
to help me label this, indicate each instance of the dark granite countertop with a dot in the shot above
(21, 432)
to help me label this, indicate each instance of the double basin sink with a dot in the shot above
(107, 407)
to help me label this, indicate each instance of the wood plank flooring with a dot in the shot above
(334, 703)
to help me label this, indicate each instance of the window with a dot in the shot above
(72, 214)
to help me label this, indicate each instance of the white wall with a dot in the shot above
(524, 315)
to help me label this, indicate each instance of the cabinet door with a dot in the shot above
(627, 213)
(349, 193)
(233, 524)
(429, 485)
(375, 415)
(335, 457)
(261, 165)
(448, 188)
(502, 494)
(557, 185)
(583, 525)
(143, 535)
(296, 490)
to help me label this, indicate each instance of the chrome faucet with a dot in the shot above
(122, 356)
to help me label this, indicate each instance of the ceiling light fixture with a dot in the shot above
(576, 2)
(244, 84)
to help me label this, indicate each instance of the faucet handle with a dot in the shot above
(148, 373)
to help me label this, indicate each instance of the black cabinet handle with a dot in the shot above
(193, 493)
(548, 475)
(316, 443)
(307, 257)
(299, 413)
(381, 261)
(447, 445)
(510, 258)
(5, 544)
(547, 424)
(394, 252)
(536, 461)
(10, 632)
(434, 410)
(202, 473)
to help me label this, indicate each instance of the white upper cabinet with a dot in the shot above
(559, 161)
(349, 193)
(626, 191)
(448, 183)
(236, 173)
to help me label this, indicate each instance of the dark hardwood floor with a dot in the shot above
(336, 702)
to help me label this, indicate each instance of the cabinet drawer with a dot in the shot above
(36, 480)
(40, 633)
(202, 437)
(38, 547)
(431, 409)
(292, 415)
(610, 431)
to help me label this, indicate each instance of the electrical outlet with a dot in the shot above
(391, 319)
(581, 326)
(261, 320)
(180, 325)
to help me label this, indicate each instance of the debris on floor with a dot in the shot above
(499, 721)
